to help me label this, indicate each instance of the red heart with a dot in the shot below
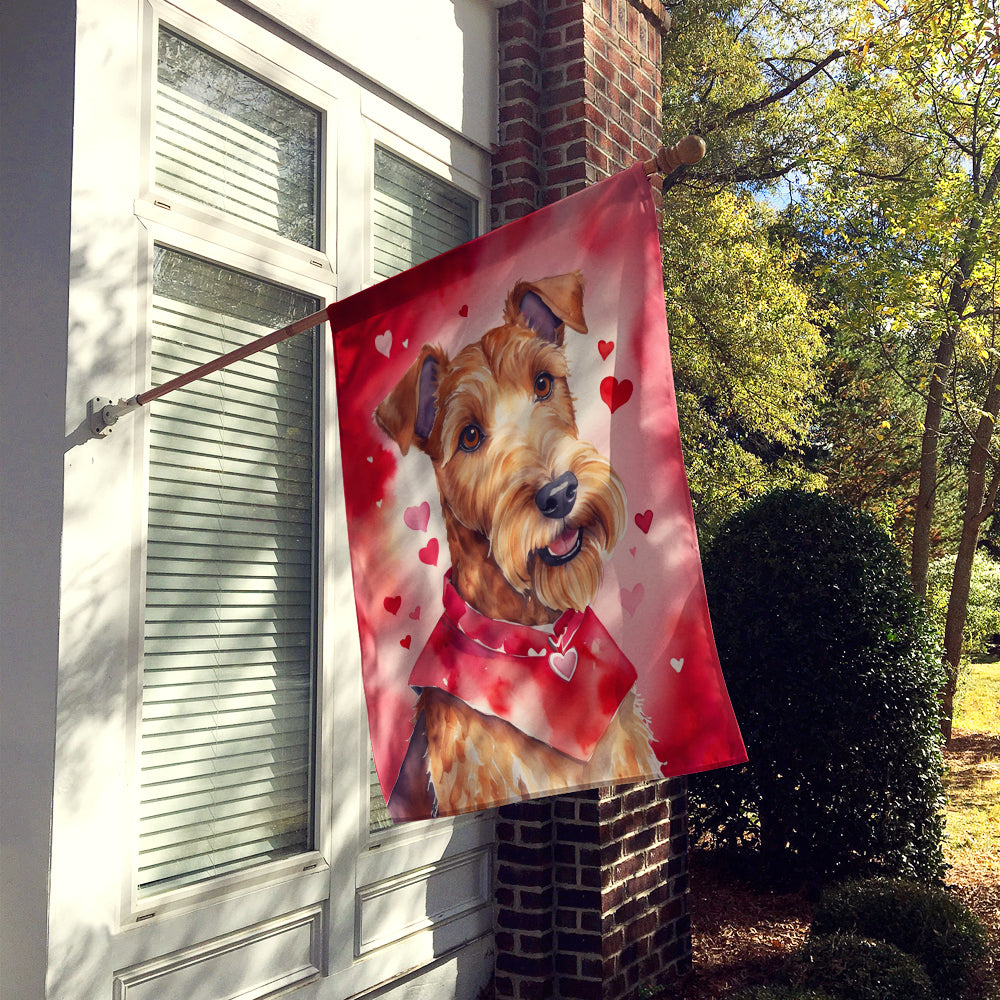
(429, 553)
(415, 613)
(391, 604)
(405, 642)
(464, 311)
(615, 393)
(605, 347)
(643, 521)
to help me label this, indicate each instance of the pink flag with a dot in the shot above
(526, 572)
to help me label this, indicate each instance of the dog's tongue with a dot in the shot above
(564, 542)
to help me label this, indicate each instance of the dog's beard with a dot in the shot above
(520, 533)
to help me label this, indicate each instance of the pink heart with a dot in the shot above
(415, 613)
(632, 550)
(429, 553)
(391, 604)
(605, 347)
(631, 599)
(615, 393)
(644, 520)
(417, 517)
(563, 664)
(383, 343)
(405, 642)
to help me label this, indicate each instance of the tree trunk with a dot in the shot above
(958, 299)
(980, 499)
(920, 554)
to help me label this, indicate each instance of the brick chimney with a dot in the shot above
(591, 888)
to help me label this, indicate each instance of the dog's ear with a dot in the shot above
(407, 414)
(548, 305)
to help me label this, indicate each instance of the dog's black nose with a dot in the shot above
(556, 499)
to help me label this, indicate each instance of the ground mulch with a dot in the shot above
(742, 934)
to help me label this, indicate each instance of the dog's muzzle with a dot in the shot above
(566, 547)
(555, 500)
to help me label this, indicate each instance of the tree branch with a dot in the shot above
(753, 107)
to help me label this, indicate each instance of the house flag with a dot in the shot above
(527, 580)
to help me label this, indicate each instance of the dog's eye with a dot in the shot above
(471, 437)
(543, 385)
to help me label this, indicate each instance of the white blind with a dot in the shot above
(228, 140)
(416, 216)
(228, 656)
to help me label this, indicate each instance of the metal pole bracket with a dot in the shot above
(103, 413)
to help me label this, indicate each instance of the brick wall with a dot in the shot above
(591, 888)
(591, 893)
(579, 96)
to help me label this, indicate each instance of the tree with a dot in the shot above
(745, 75)
(746, 350)
(879, 123)
(746, 355)
(914, 187)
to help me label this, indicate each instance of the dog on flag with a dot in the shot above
(521, 690)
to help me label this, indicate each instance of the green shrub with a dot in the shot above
(856, 968)
(925, 922)
(982, 620)
(833, 673)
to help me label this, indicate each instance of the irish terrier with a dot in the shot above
(522, 691)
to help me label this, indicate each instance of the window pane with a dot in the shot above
(228, 656)
(228, 140)
(416, 217)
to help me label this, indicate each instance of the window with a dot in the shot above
(228, 679)
(229, 646)
(227, 140)
(415, 217)
(210, 831)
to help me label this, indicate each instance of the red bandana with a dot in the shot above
(561, 685)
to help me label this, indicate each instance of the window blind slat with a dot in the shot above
(175, 778)
(233, 385)
(208, 508)
(228, 646)
(221, 849)
(230, 141)
(415, 216)
(162, 810)
(169, 768)
(171, 467)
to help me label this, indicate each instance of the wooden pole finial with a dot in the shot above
(668, 158)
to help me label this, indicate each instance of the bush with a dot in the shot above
(982, 620)
(833, 673)
(856, 968)
(925, 922)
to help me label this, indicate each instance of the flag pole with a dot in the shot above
(103, 414)
(687, 152)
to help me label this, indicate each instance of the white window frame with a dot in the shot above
(351, 875)
(177, 223)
